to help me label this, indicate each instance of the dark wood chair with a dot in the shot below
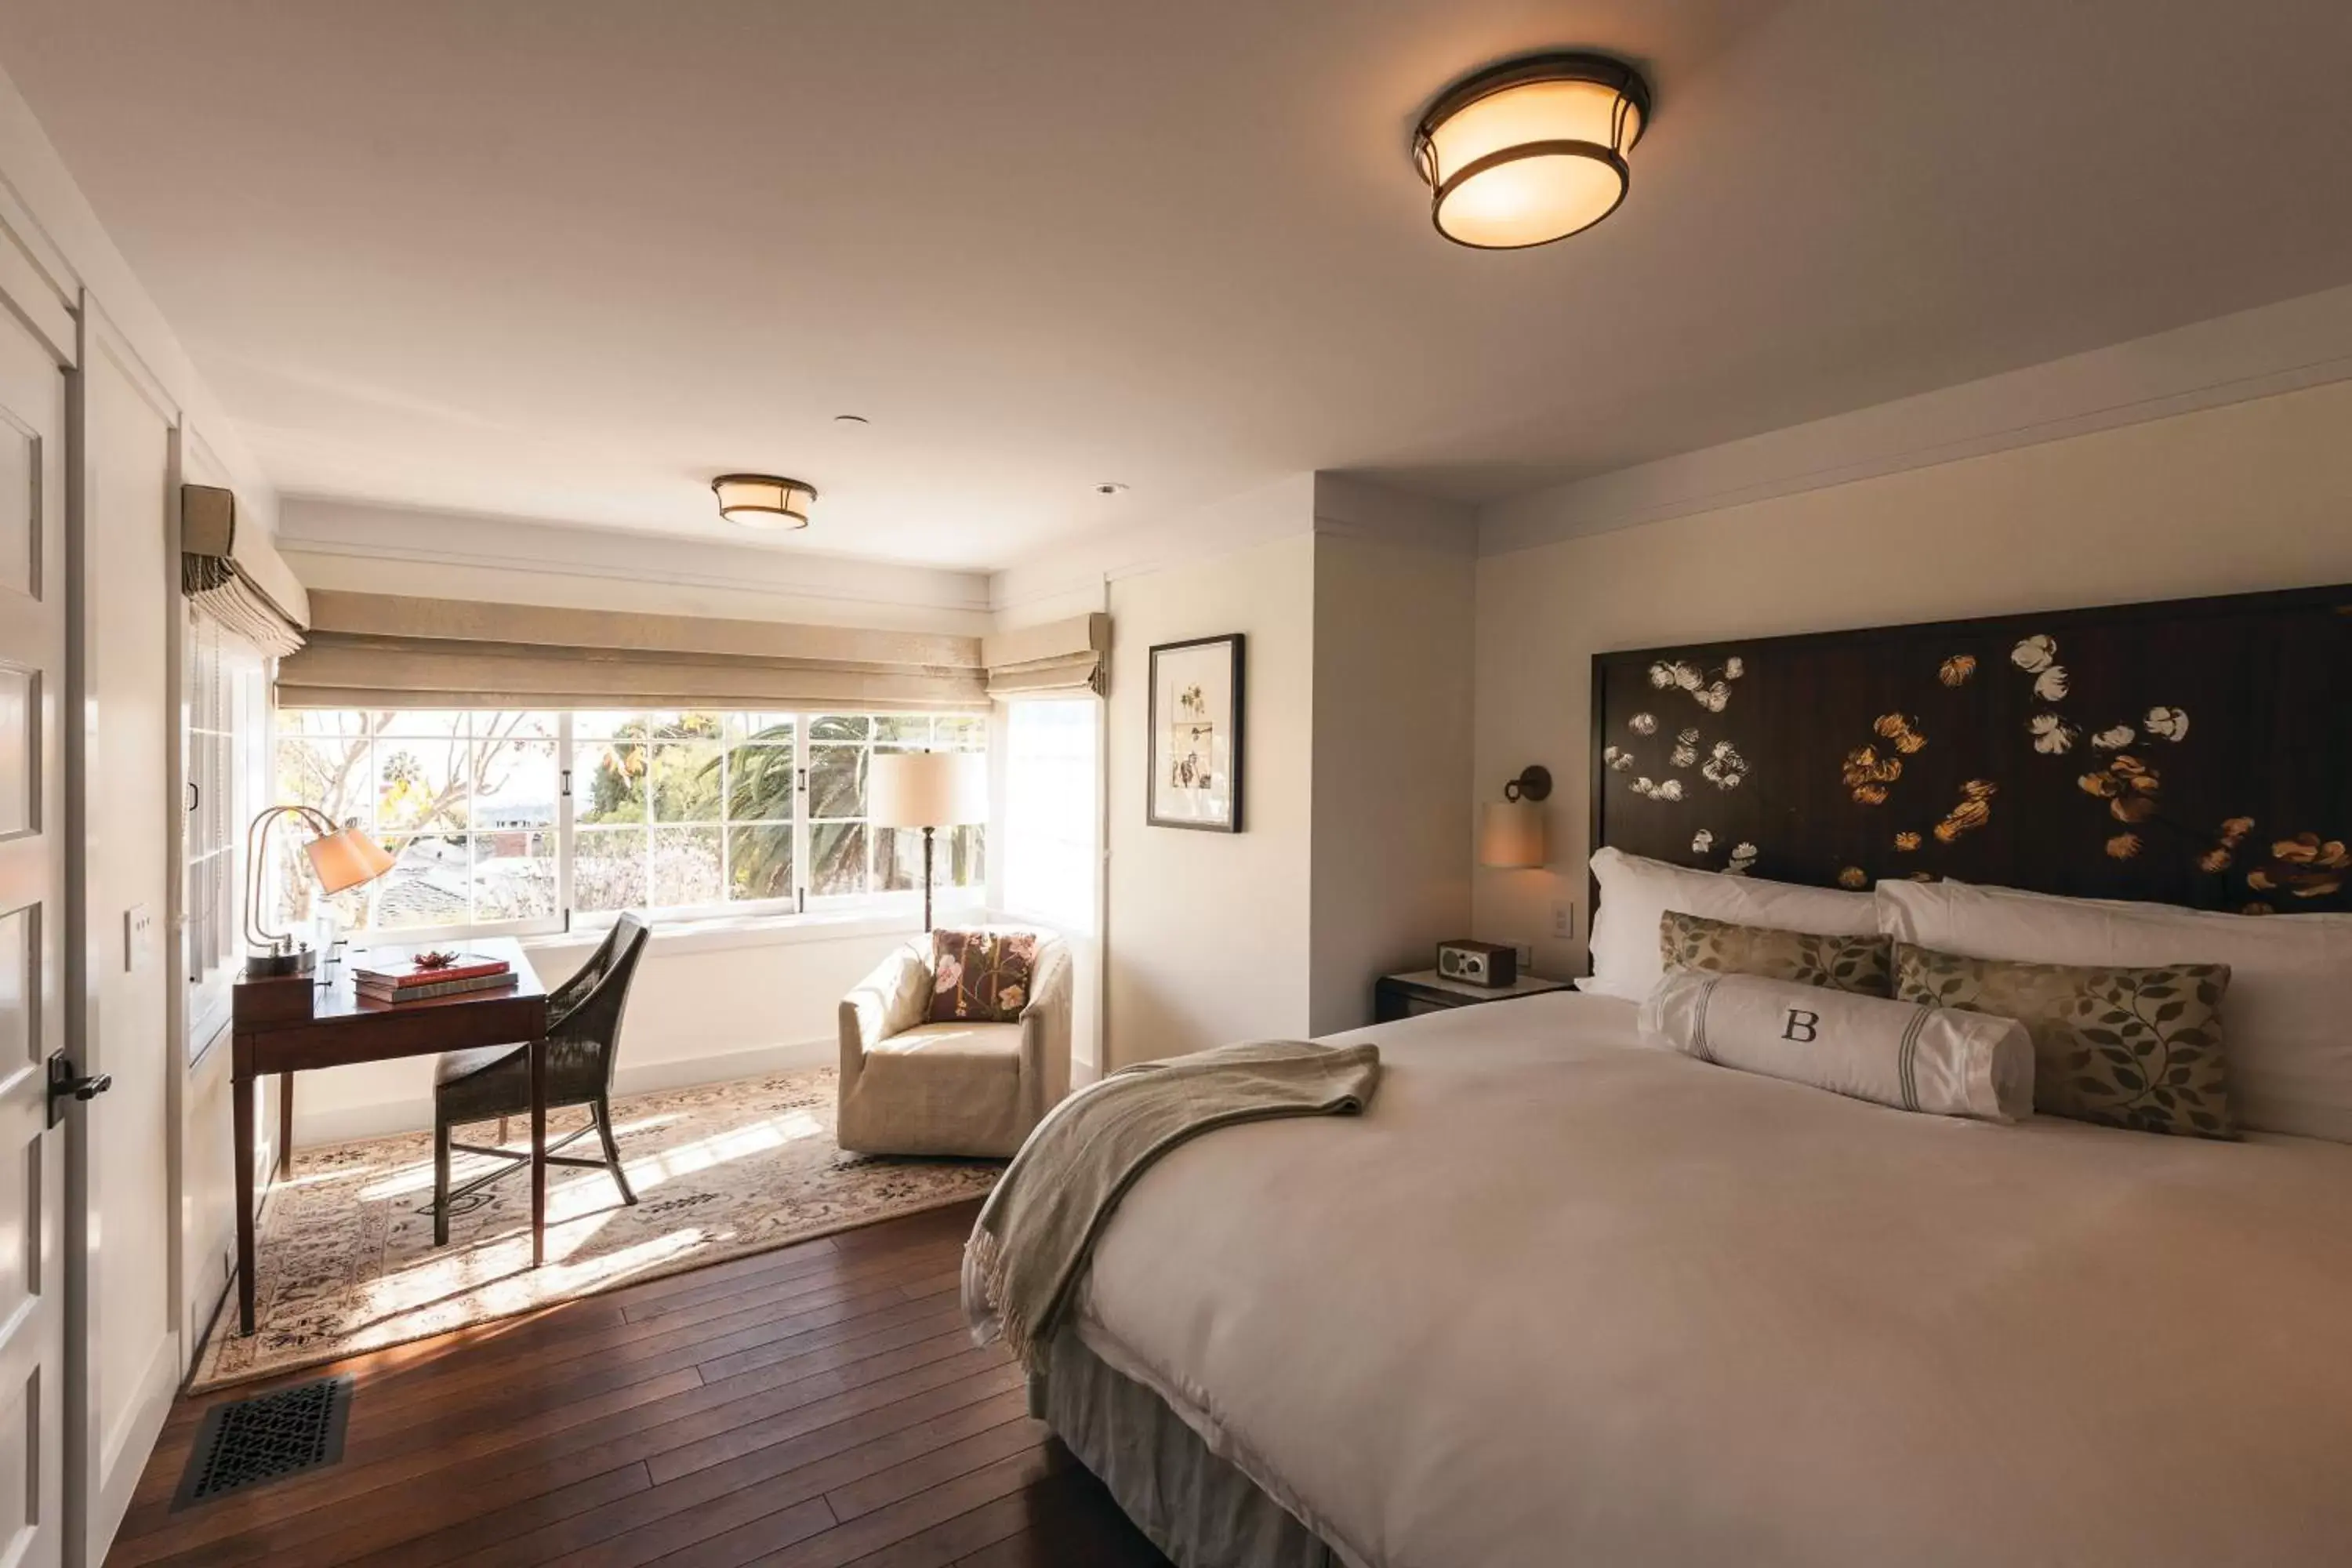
(493, 1082)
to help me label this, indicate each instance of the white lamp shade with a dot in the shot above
(1511, 835)
(927, 789)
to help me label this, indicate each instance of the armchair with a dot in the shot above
(910, 1087)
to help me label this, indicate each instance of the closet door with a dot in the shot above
(33, 850)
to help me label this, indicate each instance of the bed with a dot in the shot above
(1561, 1298)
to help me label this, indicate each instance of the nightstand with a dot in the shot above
(1426, 991)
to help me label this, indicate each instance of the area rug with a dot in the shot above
(347, 1264)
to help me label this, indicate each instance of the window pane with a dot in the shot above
(608, 780)
(685, 866)
(686, 781)
(760, 862)
(515, 726)
(514, 875)
(420, 783)
(836, 781)
(963, 860)
(760, 783)
(762, 728)
(898, 859)
(837, 851)
(840, 727)
(437, 726)
(603, 725)
(608, 867)
(427, 885)
(329, 773)
(903, 728)
(960, 732)
(517, 784)
(322, 724)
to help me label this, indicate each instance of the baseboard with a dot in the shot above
(383, 1118)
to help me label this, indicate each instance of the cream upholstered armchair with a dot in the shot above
(910, 1087)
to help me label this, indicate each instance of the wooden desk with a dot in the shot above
(297, 1023)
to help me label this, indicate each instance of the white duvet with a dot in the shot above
(1559, 1299)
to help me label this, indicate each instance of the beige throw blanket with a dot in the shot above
(1039, 1225)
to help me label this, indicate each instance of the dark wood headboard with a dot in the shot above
(2196, 751)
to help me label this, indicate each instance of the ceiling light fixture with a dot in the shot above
(763, 501)
(1532, 150)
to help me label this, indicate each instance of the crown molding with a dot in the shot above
(318, 527)
(2296, 343)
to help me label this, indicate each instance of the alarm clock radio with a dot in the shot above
(1478, 963)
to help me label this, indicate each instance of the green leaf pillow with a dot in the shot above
(1860, 965)
(2124, 1048)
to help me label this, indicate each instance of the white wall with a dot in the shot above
(1208, 932)
(1392, 766)
(2248, 496)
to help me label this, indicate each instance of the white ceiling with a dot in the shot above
(567, 258)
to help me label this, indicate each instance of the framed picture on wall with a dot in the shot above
(1195, 741)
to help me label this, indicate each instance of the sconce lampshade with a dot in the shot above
(1511, 835)
(345, 858)
(927, 789)
(763, 501)
(1531, 151)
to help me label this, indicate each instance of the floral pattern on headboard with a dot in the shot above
(2195, 752)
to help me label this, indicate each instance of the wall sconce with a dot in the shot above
(1511, 830)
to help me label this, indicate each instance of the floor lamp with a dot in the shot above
(929, 790)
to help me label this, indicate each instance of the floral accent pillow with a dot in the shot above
(1861, 964)
(980, 976)
(2124, 1048)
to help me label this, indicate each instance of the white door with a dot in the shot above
(32, 945)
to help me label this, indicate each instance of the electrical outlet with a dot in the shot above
(1563, 919)
(1527, 952)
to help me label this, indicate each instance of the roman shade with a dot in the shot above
(1058, 657)
(384, 650)
(232, 575)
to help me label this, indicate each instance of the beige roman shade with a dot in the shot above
(232, 575)
(383, 650)
(1059, 655)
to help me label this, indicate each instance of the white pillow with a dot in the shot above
(2286, 1024)
(1635, 893)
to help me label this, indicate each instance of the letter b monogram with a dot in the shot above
(1800, 1026)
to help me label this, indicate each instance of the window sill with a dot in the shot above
(718, 932)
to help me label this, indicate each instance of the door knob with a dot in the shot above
(65, 1084)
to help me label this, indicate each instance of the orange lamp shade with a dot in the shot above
(1511, 835)
(345, 858)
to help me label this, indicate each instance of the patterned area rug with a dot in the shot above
(347, 1265)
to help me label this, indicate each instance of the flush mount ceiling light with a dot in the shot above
(763, 501)
(1532, 150)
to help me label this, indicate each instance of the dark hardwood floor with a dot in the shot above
(816, 1406)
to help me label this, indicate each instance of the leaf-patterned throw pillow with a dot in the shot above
(980, 976)
(2124, 1048)
(1861, 964)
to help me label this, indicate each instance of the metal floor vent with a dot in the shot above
(248, 1442)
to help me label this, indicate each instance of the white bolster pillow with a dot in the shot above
(1936, 1059)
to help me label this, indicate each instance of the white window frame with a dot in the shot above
(226, 732)
(802, 905)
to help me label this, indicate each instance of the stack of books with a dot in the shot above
(407, 981)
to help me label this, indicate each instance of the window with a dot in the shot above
(517, 822)
(224, 709)
(1050, 811)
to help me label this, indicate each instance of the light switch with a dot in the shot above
(137, 938)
